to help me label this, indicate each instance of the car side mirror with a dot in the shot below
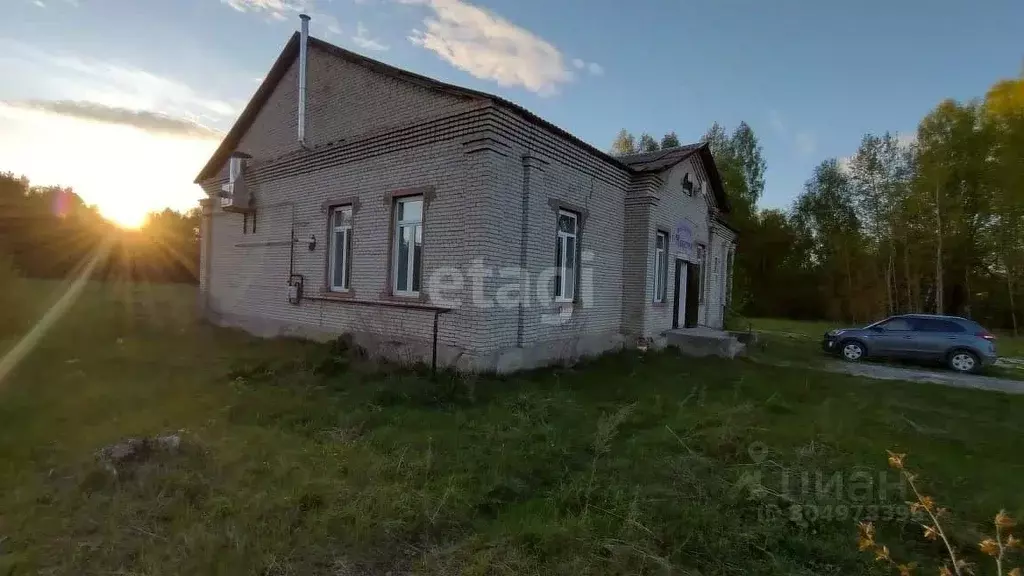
(877, 329)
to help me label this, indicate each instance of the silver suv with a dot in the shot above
(961, 344)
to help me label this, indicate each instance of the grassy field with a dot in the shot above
(305, 459)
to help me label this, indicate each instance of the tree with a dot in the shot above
(748, 153)
(826, 218)
(670, 140)
(880, 176)
(648, 143)
(953, 164)
(624, 144)
(1004, 121)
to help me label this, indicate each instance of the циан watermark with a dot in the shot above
(806, 496)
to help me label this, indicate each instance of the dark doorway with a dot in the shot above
(676, 295)
(692, 294)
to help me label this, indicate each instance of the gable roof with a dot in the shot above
(291, 51)
(669, 157)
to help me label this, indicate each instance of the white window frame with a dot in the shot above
(396, 236)
(345, 231)
(561, 286)
(660, 267)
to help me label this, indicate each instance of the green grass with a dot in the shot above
(809, 329)
(304, 459)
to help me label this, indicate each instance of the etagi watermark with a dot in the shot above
(808, 496)
(480, 286)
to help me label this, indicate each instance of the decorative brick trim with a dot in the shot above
(329, 295)
(486, 140)
(327, 206)
(531, 160)
(389, 296)
(428, 193)
(642, 201)
(557, 204)
(330, 203)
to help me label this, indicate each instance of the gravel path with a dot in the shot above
(882, 372)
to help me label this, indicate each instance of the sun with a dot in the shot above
(124, 215)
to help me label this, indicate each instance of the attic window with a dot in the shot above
(687, 185)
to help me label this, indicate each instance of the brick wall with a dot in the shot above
(471, 154)
(673, 207)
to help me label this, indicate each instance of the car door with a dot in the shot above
(891, 338)
(931, 338)
(935, 336)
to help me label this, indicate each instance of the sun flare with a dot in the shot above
(123, 171)
(131, 217)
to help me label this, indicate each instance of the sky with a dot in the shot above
(124, 100)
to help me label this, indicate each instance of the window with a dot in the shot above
(896, 325)
(340, 249)
(936, 325)
(660, 265)
(687, 185)
(408, 247)
(565, 256)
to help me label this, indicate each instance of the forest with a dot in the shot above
(49, 232)
(930, 224)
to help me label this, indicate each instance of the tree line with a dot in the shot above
(929, 224)
(49, 231)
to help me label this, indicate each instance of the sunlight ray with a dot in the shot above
(32, 338)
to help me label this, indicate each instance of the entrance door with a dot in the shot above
(692, 295)
(679, 297)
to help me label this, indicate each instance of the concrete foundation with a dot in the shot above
(409, 351)
(705, 342)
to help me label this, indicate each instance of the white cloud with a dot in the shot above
(490, 47)
(285, 10)
(125, 171)
(123, 86)
(806, 144)
(592, 67)
(364, 41)
(39, 3)
(144, 120)
(275, 8)
(803, 141)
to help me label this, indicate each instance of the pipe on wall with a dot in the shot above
(303, 45)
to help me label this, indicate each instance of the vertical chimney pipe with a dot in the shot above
(303, 42)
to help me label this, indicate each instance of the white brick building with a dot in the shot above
(413, 202)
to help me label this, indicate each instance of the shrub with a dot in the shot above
(934, 529)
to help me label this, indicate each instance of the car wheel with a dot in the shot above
(851, 350)
(964, 361)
